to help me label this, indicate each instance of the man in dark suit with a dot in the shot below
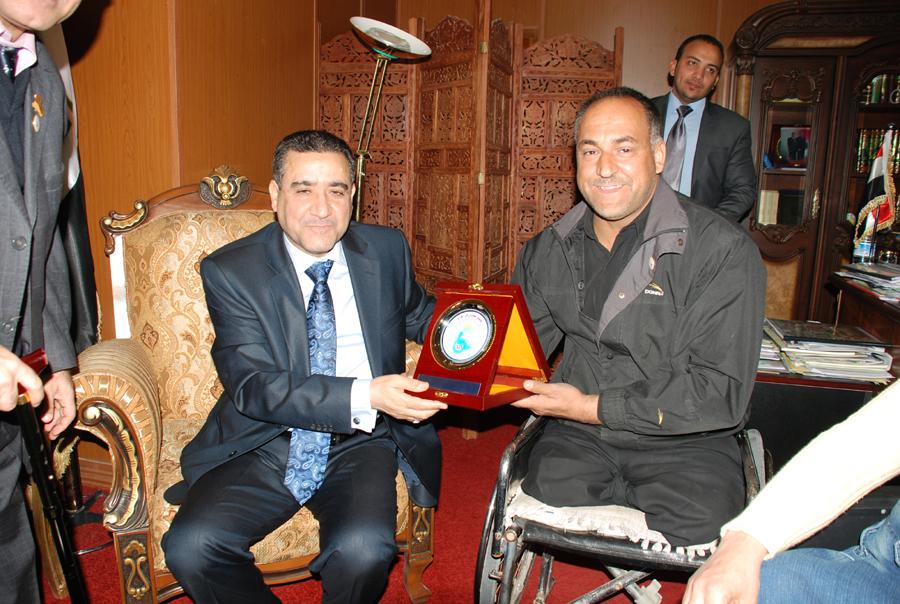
(237, 471)
(717, 169)
(35, 308)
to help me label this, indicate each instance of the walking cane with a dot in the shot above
(47, 485)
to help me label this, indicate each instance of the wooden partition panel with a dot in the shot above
(494, 234)
(557, 75)
(445, 130)
(345, 76)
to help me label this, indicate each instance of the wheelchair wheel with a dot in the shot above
(488, 569)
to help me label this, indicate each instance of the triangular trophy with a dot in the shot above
(480, 347)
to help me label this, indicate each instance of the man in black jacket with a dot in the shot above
(274, 339)
(658, 303)
(717, 169)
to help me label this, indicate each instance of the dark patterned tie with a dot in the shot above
(8, 57)
(309, 449)
(675, 146)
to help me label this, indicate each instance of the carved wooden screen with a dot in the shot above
(345, 75)
(463, 147)
(557, 75)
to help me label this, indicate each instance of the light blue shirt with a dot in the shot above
(692, 130)
(352, 359)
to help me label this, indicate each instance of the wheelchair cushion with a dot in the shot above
(612, 521)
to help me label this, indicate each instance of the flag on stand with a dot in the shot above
(877, 213)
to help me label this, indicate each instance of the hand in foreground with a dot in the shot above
(12, 373)
(387, 395)
(560, 400)
(60, 403)
(731, 575)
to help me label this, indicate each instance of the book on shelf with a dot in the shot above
(884, 289)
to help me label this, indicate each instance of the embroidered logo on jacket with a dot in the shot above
(654, 290)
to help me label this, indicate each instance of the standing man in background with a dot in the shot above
(708, 154)
(35, 308)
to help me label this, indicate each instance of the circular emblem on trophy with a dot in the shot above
(463, 334)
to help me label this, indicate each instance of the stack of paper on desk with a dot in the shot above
(822, 350)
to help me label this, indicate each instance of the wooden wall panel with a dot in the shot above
(244, 79)
(435, 10)
(334, 16)
(120, 56)
(168, 90)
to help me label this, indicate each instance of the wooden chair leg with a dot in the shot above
(420, 553)
(50, 565)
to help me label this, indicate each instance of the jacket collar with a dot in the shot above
(667, 214)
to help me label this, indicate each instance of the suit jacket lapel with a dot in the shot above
(365, 274)
(38, 87)
(286, 296)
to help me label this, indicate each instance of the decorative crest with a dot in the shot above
(224, 188)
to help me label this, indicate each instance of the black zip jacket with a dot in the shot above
(675, 351)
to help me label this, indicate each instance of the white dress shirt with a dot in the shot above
(352, 359)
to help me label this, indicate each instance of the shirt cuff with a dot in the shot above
(362, 416)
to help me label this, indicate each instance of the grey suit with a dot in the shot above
(723, 178)
(34, 297)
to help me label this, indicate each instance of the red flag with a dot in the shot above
(877, 213)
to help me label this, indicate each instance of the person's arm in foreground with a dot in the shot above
(824, 479)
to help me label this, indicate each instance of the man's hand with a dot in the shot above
(12, 373)
(731, 575)
(560, 400)
(60, 403)
(387, 396)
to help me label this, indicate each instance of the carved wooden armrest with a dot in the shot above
(118, 401)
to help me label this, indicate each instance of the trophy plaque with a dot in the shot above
(480, 347)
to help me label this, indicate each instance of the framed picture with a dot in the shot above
(790, 146)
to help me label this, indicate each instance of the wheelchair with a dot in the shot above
(519, 529)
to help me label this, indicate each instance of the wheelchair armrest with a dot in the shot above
(117, 400)
(512, 468)
(753, 461)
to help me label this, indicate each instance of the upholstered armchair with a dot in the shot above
(146, 393)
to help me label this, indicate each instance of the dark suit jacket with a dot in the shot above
(262, 358)
(724, 177)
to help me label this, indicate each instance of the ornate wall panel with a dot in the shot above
(445, 215)
(345, 75)
(495, 228)
(557, 75)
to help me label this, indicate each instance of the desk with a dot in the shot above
(858, 305)
(789, 411)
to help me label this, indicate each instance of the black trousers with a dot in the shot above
(237, 504)
(687, 491)
(18, 579)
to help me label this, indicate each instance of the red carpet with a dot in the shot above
(470, 468)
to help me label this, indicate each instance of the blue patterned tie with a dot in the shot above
(309, 449)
